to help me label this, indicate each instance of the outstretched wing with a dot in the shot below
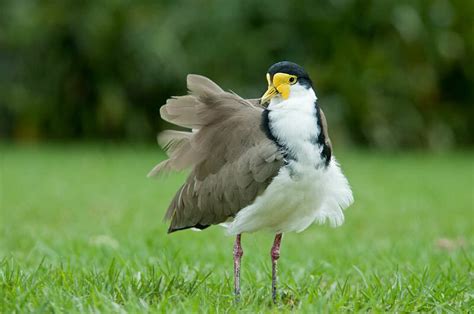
(232, 159)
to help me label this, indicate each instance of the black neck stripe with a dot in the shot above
(267, 129)
(322, 140)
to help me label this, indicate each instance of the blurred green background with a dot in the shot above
(80, 225)
(389, 74)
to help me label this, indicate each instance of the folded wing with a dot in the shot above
(231, 158)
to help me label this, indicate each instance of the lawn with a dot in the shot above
(81, 230)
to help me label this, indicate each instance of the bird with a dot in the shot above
(255, 164)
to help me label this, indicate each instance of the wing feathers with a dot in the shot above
(200, 85)
(232, 160)
(325, 129)
(177, 145)
(182, 111)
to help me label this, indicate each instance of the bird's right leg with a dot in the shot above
(238, 252)
(275, 254)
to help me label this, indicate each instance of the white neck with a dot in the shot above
(293, 122)
(300, 98)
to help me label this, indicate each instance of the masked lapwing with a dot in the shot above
(255, 165)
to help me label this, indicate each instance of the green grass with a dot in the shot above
(82, 231)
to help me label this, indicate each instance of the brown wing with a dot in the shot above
(232, 160)
(325, 130)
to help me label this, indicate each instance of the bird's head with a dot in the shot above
(286, 79)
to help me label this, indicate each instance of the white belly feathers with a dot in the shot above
(293, 201)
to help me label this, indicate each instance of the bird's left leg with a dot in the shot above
(275, 254)
(238, 252)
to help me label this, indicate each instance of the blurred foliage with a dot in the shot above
(388, 73)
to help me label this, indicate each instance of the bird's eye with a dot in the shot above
(292, 80)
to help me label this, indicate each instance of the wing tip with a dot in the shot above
(199, 226)
(159, 169)
(199, 84)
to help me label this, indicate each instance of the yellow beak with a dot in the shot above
(269, 94)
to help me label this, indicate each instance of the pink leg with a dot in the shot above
(238, 252)
(275, 253)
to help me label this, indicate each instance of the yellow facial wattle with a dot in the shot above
(280, 85)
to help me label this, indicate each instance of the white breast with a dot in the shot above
(294, 124)
(304, 191)
(294, 129)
